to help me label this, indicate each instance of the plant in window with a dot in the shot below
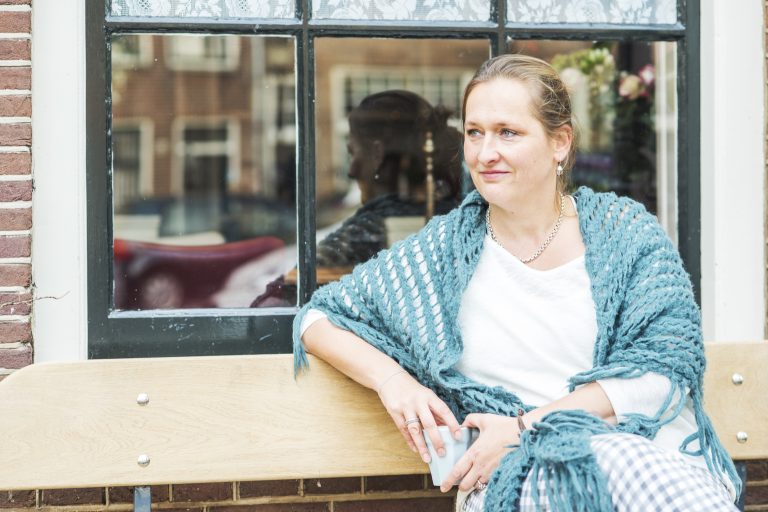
(634, 132)
(599, 69)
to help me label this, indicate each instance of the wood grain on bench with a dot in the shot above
(209, 419)
(243, 418)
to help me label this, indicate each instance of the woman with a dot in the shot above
(388, 133)
(485, 315)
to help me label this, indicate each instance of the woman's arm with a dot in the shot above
(402, 395)
(497, 433)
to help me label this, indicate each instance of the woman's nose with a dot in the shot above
(488, 152)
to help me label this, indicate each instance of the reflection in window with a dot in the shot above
(203, 53)
(214, 221)
(384, 108)
(624, 101)
(130, 162)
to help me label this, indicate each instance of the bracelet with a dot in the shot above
(381, 386)
(520, 424)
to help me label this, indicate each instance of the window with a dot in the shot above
(247, 189)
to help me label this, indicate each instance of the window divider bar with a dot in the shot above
(305, 178)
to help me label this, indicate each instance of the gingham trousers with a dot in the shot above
(641, 478)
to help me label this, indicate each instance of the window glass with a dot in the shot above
(625, 105)
(205, 8)
(387, 117)
(444, 10)
(592, 11)
(203, 170)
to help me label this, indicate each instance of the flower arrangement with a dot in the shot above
(597, 66)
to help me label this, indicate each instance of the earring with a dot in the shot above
(559, 169)
(376, 177)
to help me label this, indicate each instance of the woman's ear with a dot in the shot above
(562, 141)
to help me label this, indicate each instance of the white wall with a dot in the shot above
(732, 170)
(732, 174)
(58, 166)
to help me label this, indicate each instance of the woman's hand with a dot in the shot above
(414, 407)
(485, 454)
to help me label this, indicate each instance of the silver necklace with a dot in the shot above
(543, 245)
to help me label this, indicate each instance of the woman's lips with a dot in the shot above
(492, 175)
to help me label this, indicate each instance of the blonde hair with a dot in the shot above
(551, 102)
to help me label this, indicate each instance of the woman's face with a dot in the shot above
(508, 152)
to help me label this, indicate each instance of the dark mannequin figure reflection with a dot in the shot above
(387, 135)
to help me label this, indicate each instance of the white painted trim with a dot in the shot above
(15, 120)
(59, 267)
(17, 8)
(732, 170)
(15, 63)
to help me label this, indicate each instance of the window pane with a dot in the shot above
(378, 103)
(206, 8)
(446, 10)
(203, 169)
(625, 104)
(592, 11)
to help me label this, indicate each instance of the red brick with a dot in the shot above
(13, 499)
(757, 470)
(91, 496)
(332, 485)
(282, 507)
(15, 163)
(16, 22)
(394, 483)
(15, 275)
(407, 505)
(15, 191)
(16, 105)
(125, 494)
(15, 303)
(15, 332)
(15, 218)
(16, 77)
(269, 488)
(17, 134)
(756, 495)
(202, 492)
(15, 49)
(15, 358)
(15, 246)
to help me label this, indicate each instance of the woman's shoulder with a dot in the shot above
(608, 205)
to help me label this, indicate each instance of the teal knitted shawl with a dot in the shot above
(405, 302)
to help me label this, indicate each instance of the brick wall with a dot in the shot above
(373, 494)
(15, 185)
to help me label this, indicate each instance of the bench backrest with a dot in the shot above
(242, 418)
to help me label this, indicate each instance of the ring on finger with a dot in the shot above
(410, 421)
(480, 485)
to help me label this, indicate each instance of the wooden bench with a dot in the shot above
(143, 422)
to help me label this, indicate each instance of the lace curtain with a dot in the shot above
(206, 8)
(592, 11)
(518, 11)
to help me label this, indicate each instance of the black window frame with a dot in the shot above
(113, 334)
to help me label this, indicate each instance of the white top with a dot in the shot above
(516, 321)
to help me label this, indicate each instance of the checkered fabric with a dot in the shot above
(641, 478)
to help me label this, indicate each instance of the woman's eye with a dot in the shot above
(472, 132)
(506, 132)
